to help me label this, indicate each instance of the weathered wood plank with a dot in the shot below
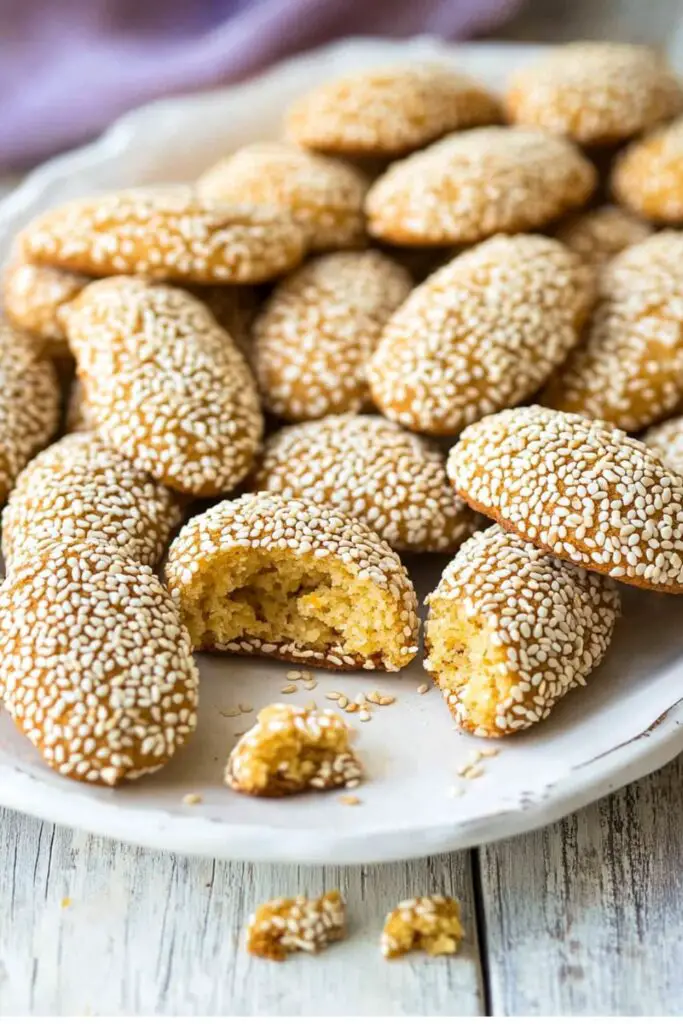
(149, 933)
(586, 917)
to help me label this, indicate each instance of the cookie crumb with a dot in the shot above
(429, 923)
(65, 903)
(285, 926)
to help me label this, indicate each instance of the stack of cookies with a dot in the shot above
(427, 320)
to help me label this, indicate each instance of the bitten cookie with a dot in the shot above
(511, 630)
(373, 470)
(293, 580)
(79, 491)
(165, 384)
(324, 196)
(166, 233)
(578, 488)
(599, 235)
(482, 333)
(97, 670)
(629, 367)
(389, 111)
(596, 93)
(648, 176)
(29, 403)
(316, 333)
(474, 184)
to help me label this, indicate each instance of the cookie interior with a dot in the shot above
(466, 659)
(308, 603)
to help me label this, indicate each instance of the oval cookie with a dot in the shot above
(648, 176)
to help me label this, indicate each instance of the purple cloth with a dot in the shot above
(69, 67)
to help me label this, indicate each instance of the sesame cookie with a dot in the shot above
(324, 196)
(599, 235)
(389, 111)
(290, 750)
(165, 384)
(629, 367)
(666, 441)
(580, 489)
(512, 629)
(165, 233)
(34, 297)
(316, 333)
(98, 670)
(482, 333)
(648, 176)
(474, 184)
(293, 580)
(78, 414)
(371, 469)
(595, 93)
(78, 490)
(29, 403)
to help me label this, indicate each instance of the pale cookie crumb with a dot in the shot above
(65, 903)
(285, 926)
(292, 749)
(430, 923)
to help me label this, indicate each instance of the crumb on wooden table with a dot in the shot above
(429, 923)
(285, 926)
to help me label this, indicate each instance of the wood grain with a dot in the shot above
(586, 917)
(150, 933)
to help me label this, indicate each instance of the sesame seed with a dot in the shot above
(293, 674)
(423, 688)
(291, 688)
(192, 798)
(364, 715)
(230, 713)
(472, 772)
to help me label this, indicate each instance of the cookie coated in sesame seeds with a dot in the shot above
(666, 441)
(648, 176)
(165, 384)
(373, 470)
(34, 297)
(80, 491)
(290, 750)
(29, 403)
(318, 330)
(293, 580)
(596, 93)
(482, 333)
(428, 923)
(98, 671)
(512, 629)
(629, 366)
(581, 489)
(283, 926)
(389, 112)
(324, 196)
(599, 235)
(166, 233)
(475, 184)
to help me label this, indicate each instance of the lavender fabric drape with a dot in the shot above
(69, 67)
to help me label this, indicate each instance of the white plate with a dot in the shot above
(629, 720)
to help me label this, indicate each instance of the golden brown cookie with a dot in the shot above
(428, 923)
(293, 580)
(596, 93)
(165, 384)
(666, 441)
(599, 235)
(577, 488)
(629, 366)
(283, 926)
(648, 176)
(474, 184)
(389, 111)
(483, 332)
(165, 233)
(97, 670)
(79, 491)
(34, 297)
(290, 750)
(318, 330)
(371, 469)
(29, 403)
(512, 629)
(324, 196)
